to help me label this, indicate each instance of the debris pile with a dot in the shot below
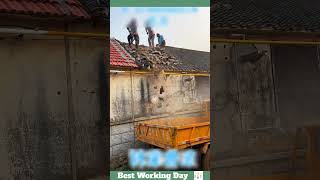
(154, 59)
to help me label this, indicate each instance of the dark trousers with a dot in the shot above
(130, 39)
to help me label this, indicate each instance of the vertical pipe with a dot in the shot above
(132, 109)
(235, 52)
(318, 56)
(211, 112)
(275, 86)
(71, 115)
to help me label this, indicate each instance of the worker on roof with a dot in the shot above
(133, 30)
(130, 38)
(150, 34)
(161, 41)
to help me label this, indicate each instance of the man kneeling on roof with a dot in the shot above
(161, 41)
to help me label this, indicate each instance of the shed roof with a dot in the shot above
(275, 15)
(44, 8)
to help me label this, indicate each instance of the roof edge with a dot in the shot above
(229, 31)
(68, 19)
(126, 69)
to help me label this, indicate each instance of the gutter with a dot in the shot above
(53, 33)
(226, 31)
(166, 73)
(246, 41)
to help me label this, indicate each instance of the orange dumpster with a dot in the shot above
(178, 133)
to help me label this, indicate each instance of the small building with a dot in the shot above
(138, 93)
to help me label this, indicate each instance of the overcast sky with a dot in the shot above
(181, 27)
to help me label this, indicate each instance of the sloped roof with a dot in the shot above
(170, 59)
(44, 8)
(197, 60)
(119, 57)
(97, 7)
(279, 15)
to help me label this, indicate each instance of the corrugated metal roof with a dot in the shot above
(55, 8)
(120, 57)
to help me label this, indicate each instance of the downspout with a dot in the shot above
(71, 114)
(132, 110)
(318, 56)
(235, 52)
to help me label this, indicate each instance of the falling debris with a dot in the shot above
(151, 59)
(160, 59)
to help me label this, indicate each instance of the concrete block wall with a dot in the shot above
(121, 140)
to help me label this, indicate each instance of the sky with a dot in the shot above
(183, 27)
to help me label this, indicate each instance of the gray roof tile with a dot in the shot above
(280, 15)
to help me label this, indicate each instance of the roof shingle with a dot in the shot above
(171, 59)
(284, 15)
(120, 57)
(181, 60)
(53, 8)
